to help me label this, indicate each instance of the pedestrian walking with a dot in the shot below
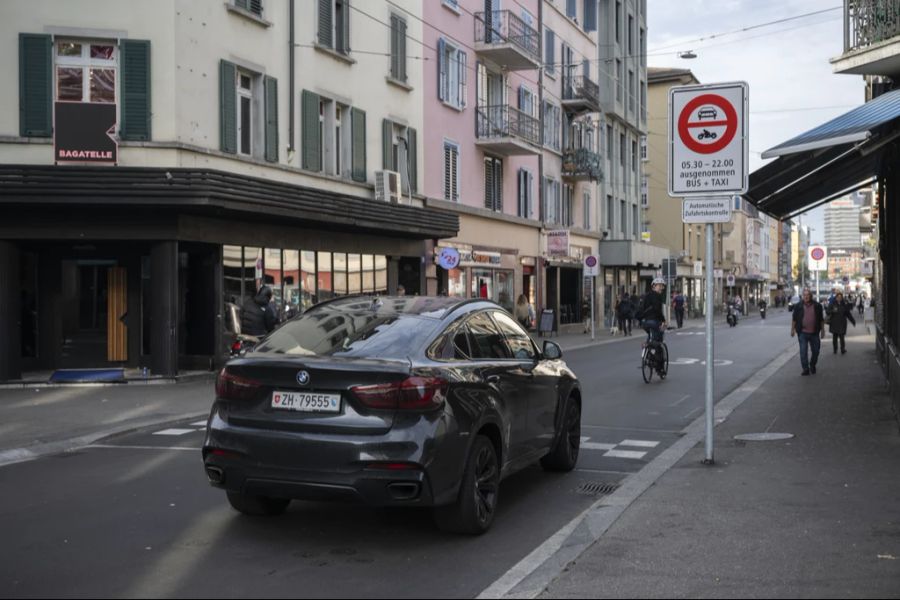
(678, 306)
(624, 313)
(861, 306)
(524, 312)
(808, 324)
(258, 314)
(840, 312)
(586, 314)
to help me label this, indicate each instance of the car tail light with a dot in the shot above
(413, 393)
(235, 347)
(233, 387)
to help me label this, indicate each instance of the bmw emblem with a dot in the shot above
(302, 377)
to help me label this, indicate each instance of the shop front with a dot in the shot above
(568, 291)
(628, 268)
(140, 269)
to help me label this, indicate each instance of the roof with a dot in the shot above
(663, 74)
(853, 126)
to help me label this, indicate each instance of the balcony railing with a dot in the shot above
(504, 121)
(868, 22)
(502, 27)
(581, 87)
(582, 163)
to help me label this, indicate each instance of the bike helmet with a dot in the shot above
(659, 281)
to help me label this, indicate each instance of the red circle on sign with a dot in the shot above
(591, 261)
(817, 254)
(730, 123)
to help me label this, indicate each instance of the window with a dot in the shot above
(645, 196)
(334, 25)
(245, 112)
(644, 157)
(610, 140)
(631, 91)
(630, 33)
(399, 153)
(620, 80)
(635, 221)
(610, 212)
(454, 4)
(552, 126)
(622, 147)
(525, 182)
(568, 206)
(487, 341)
(552, 209)
(398, 48)
(618, 21)
(252, 6)
(624, 218)
(519, 343)
(493, 184)
(549, 53)
(452, 70)
(86, 71)
(527, 100)
(451, 171)
(634, 156)
(587, 209)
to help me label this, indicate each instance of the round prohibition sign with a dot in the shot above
(817, 254)
(685, 125)
(591, 261)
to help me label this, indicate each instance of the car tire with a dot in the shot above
(257, 505)
(564, 455)
(474, 510)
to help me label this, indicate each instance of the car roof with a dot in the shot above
(433, 307)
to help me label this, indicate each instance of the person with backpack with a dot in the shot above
(258, 315)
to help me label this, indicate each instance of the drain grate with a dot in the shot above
(595, 488)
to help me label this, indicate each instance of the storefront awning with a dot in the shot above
(829, 161)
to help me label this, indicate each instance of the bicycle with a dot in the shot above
(654, 357)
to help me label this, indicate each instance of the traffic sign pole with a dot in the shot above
(710, 374)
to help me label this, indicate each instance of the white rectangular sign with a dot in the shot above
(818, 258)
(706, 210)
(708, 151)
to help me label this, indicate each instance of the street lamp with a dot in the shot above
(687, 54)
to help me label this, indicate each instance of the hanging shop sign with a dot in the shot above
(85, 132)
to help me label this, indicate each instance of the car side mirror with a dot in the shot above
(552, 351)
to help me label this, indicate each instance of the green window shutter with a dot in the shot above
(227, 107)
(309, 123)
(326, 27)
(395, 47)
(387, 145)
(271, 87)
(401, 39)
(358, 131)
(413, 161)
(135, 110)
(35, 85)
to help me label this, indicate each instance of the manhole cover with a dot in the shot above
(593, 488)
(763, 437)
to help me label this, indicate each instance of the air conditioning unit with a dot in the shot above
(387, 187)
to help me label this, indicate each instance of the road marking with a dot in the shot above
(174, 431)
(199, 424)
(604, 471)
(694, 412)
(625, 454)
(181, 448)
(597, 446)
(686, 396)
(639, 443)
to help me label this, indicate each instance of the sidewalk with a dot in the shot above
(814, 516)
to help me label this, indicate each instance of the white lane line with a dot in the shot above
(597, 446)
(181, 448)
(604, 471)
(694, 412)
(174, 431)
(625, 454)
(199, 424)
(639, 443)
(676, 403)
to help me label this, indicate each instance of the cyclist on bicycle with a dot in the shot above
(653, 317)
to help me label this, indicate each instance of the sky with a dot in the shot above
(792, 86)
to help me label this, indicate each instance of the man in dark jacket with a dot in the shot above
(652, 315)
(808, 323)
(839, 313)
(258, 315)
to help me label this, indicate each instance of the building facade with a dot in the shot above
(170, 158)
(842, 224)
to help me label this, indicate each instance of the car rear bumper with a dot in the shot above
(389, 469)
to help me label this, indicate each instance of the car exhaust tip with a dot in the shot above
(404, 491)
(215, 474)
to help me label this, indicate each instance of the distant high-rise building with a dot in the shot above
(842, 224)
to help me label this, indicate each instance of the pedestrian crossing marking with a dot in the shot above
(639, 443)
(625, 454)
(597, 446)
(174, 431)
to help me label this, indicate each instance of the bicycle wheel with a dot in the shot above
(663, 361)
(646, 365)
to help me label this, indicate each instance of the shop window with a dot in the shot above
(482, 284)
(503, 285)
(381, 286)
(368, 272)
(253, 271)
(340, 273)
(291, 274)
(325, 283)
(354, 273)
(308, 289)
(233, 286)
(456, 283)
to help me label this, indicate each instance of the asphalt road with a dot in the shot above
(133, 515)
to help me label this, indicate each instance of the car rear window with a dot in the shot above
(352, 334)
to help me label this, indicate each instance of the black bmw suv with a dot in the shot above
(393, 401)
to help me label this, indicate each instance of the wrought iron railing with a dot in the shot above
(503, 26)
(582, 162)
(505, 121)
(581, 87)
(868, 22)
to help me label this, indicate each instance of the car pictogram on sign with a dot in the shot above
(707, 112)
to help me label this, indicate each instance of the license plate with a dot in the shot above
(307, 402)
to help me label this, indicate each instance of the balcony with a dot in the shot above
(871, 38)
(505, 39)
(581, 165)
(506, 131)
(580, 95)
